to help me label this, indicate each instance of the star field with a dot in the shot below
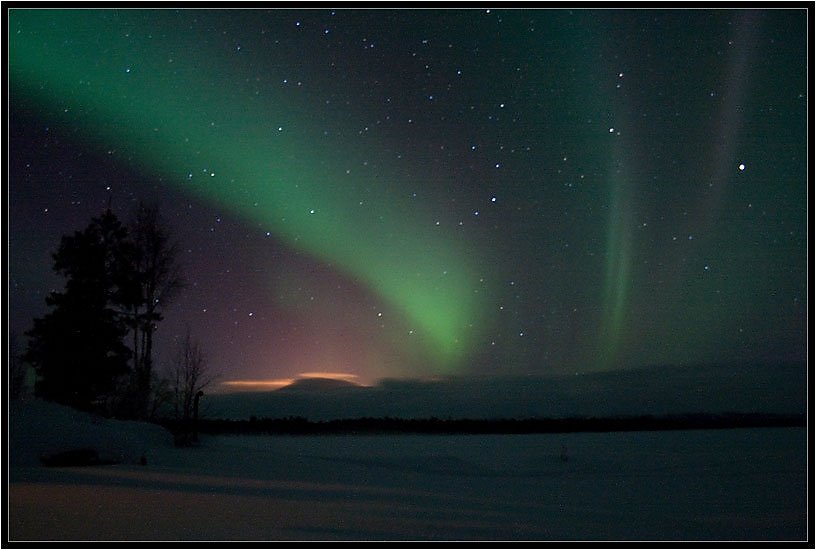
(417, 192)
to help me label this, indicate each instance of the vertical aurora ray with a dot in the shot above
(617, 279)
(186, 116)
(605, 102)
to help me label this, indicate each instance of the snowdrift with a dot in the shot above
(40, 429)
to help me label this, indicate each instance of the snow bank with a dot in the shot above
(38, 428)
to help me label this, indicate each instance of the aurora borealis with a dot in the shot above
(421, 192)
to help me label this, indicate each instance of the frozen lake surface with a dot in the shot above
(744, 484)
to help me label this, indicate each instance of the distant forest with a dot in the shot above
(295, 425)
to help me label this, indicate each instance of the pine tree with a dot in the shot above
(77, 349)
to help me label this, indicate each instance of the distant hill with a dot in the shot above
(658, 390)
(317, 385)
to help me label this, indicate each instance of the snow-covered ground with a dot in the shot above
(690, 485)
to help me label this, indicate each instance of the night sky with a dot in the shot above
(411, 193)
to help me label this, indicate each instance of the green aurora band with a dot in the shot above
(618, 268)
(186, 117)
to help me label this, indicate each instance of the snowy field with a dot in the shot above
(692, 485)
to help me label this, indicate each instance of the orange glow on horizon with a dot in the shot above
(277, 383)
(332, 375)
(254, 385)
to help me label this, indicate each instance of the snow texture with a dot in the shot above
(39, 428)
(731, 485)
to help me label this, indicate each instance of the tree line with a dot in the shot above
(94, 349)
(298, 425)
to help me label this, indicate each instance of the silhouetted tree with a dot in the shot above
(189, 376)
(161, 397)
(17, 388)
(77, 348)
(155, 279)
